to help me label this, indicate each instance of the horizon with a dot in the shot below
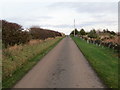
(27, 29)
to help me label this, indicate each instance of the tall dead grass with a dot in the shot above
(16, 56)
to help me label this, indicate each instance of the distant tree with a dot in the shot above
(86, 33)
(92, 34)
(72, 33)
(113, 33)
(104, 31)
(110, 32)
(107, 31)
(39, 33)
(82, 32)
(76, 32)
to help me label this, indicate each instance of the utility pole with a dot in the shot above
(74, 27)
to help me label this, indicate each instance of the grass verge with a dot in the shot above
(102, 59)
(20, 71)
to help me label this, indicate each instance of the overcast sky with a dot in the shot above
(60, 15)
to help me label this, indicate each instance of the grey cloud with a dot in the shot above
(57, 26)
(28, 19)
(87, 7)
(80, 25)
(35, 13)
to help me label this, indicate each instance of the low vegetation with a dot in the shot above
(104, 60)
(23, 48)
(13, 33)
(17, 60)
(104, 38)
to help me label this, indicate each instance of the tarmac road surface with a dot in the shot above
(63, 67)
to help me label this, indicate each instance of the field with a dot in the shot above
(103, 60)
(18, 60)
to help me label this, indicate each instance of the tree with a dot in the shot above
(82, 32)
(76, 32)
(92, 34)
(104, 31)
(107, 31)
(113, 33)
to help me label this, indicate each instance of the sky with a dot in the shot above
(59, 15)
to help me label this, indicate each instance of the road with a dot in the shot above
(63, 67)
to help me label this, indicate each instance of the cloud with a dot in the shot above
(87, 7)
(60, 15)
(38, 1)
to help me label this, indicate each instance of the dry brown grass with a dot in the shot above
(16, 56)
(32, 42)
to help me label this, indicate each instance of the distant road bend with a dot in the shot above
(63, 67)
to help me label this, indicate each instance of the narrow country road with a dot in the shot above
(63, 67)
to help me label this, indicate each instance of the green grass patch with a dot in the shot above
(16, 63)
(103, 60)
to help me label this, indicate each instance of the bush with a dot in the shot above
(12, 34)
(82, 32)
(76, 32)
(92, 34)
(39, 33)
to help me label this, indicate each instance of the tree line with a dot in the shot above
(93, 36)
(92, 33)
(13, 33)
